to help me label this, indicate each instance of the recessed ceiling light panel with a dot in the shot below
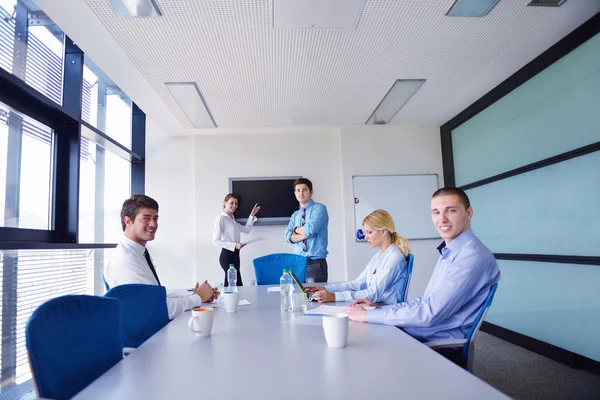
(394, 100)
(471, 8)
(135, 8)
(190, 100)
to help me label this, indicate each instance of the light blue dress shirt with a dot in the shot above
(458, 287)
(383, 281)
(315, 227)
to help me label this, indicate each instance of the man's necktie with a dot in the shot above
(147, 255)
(303, 222)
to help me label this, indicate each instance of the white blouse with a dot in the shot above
(227, 231)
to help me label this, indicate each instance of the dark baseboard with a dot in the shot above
(542, 348)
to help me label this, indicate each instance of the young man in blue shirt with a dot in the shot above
(307, 231)
(459, 285)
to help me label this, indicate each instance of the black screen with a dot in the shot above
(275, 196)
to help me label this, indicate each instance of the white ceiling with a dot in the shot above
(255, 77)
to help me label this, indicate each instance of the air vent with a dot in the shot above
(546, 3)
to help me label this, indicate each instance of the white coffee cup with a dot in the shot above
(335, 327)
(230, 300)
(201, 321)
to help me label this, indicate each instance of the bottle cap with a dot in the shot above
(286, 270)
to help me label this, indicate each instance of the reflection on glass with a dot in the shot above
(104, 105)
(25, 172)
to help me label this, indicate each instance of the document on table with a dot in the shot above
(274, 289)
(252, 240)
(322, 310)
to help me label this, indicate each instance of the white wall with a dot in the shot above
(388, 150)
(189, 178)
(218, 158)
(170, 181)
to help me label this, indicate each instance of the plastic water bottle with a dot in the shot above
(232, 279)
(287, 291)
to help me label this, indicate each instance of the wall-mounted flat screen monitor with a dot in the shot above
(274, 194)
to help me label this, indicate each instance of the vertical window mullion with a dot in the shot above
(99, 191)
(67, 149)
(138, 146)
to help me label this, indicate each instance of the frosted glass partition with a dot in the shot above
(556, 303)
(552, 113)
(552, 210)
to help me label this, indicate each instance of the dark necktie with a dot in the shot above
(147, 255)
(303, 221)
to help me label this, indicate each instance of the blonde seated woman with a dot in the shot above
(385, 277)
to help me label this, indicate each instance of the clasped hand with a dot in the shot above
(206, 292)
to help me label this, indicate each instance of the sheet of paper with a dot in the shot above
(324, 309)
(243, 303)
(274, 289)
(252, 240)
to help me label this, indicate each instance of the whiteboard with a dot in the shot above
(406, 197)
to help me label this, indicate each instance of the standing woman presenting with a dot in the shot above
(227, 235)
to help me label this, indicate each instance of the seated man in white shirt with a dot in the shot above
(131, 262)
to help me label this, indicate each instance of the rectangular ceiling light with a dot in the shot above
(316, 14)
(394, 100)
(471, 8)
(188, 97)
(136, 8)
(546, 3)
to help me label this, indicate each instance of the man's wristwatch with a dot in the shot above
(295, 231)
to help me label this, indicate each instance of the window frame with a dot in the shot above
(68, 128)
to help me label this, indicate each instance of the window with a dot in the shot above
(104, 185)
(25, 160)
(104, 104)
(62, 181)
(33, 54)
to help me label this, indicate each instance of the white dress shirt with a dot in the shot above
(128, 265)
(227, 231)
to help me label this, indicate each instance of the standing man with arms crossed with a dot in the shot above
(131, 262)
(307, 231)
(459, 285)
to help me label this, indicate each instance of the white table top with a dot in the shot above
(260, 352)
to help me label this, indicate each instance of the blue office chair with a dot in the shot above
(268, 269)
(144, 311)
(105, 283)
(467, 344)
(410, 260)
(71, 341)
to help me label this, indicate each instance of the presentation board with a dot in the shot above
(406, 197)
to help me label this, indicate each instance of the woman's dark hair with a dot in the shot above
(231, 195)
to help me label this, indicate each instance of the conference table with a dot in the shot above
(261, 353)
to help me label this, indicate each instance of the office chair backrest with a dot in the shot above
(268, 269)
(144, 311)
(467, 351)
(410, 261)
(71, 341)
